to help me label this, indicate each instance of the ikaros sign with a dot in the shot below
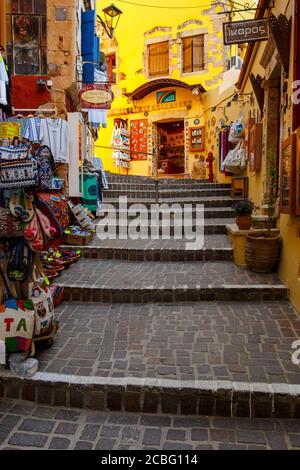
(246, 31)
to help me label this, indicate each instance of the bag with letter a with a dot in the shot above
(16, 321)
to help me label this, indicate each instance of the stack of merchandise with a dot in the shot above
(121, 145)
(28, 228)
(83, 233)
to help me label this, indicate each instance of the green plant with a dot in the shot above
(245, 207)
(272, 186)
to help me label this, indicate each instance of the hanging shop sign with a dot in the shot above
(96, 96)
(246, 31)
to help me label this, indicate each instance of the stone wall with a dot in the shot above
(62, 49)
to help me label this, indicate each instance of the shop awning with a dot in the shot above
(144, 90)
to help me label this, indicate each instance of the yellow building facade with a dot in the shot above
(164, 59)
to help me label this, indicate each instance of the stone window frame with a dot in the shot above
(190, 34)
(157, 40)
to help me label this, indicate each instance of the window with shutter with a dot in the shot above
(193, 53)
(89, 46)
(158, 59)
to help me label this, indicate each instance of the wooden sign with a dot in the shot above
(96, 96)
(197, 139)
(246, 31)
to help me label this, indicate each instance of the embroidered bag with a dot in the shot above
(15, 152)
(15, 175)
(43, 308)
(16, 321)
(10, 226)
(46, 167)
(58, 204)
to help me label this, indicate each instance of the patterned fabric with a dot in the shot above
(14, 152)
(9, 226)
(90, 191)
(57, 202)
(46, 166)
(19, 175)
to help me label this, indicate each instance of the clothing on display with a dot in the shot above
(97, 117)
(224, 147)
(32, 130)
(55, 133)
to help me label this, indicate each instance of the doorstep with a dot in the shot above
(238, 239)
(150, 395)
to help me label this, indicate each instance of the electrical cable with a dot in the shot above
(170, 8)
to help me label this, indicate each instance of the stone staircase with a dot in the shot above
(152, 326)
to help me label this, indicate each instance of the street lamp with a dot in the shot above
(112, 16)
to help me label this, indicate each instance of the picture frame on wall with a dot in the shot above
(197, 139)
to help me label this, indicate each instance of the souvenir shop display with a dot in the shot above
(139, 139)
(94, 184)
(29, 230)
(121, 144)
(75, 235)
(83, 216)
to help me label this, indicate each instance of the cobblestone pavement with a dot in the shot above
(24, 425)
(206, 341)
(159, 275)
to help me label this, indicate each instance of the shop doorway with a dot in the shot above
(171, 148)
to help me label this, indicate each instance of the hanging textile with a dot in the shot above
(90, 191)
(32, 129)
(55, 134)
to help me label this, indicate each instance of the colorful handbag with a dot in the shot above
(46, 167)
(57, 233)
(14, 175)
(58, 204)
(16, 321)
(15, 152)
(20, 262)
(10, 226)
(43, 307)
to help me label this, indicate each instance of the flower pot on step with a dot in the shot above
(263, 252)
(244, 222)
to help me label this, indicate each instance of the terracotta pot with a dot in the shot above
(244, 222)
(263, 252)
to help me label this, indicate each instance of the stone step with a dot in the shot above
(161, 186)
(220, 398)
(212, 201)
(141, 282)
(212, 359)
(210, 212)
(166, 229)
(217, 248)
(167, 193)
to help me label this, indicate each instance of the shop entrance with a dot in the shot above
(171, 148)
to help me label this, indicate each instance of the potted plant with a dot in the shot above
(263, 248)
(244, 210)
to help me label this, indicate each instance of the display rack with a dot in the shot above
(121, 144)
